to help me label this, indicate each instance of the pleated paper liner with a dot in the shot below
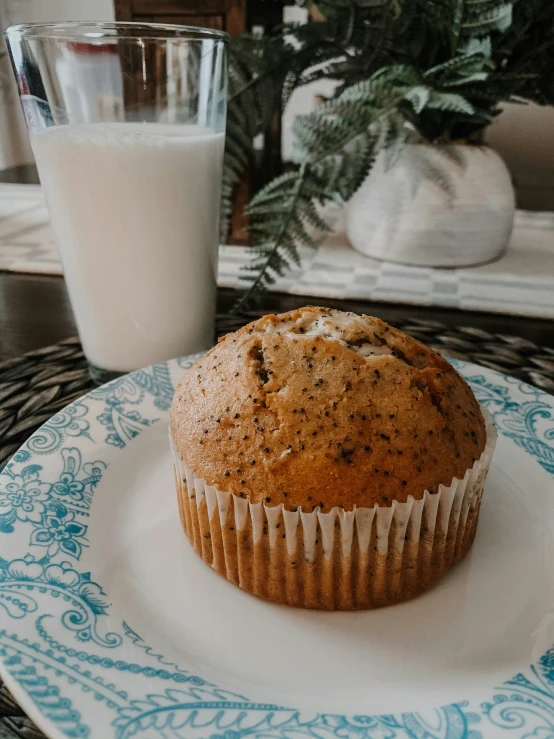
(340, 560)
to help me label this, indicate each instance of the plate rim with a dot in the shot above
(51, 729)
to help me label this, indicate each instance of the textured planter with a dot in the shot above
(436, 206)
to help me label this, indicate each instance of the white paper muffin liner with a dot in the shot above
(340, 560)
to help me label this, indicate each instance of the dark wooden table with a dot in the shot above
(35, 312)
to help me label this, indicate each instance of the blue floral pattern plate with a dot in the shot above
(112, 627)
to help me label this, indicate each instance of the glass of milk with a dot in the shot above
(127, 125)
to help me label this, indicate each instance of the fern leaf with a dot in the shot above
(478, 46)
(478, 6)
(497, 19)
(475, 77)
(276, 188)
(449, 101)
(312, 215)
(464, 64)
(456, 24)
(418, 97)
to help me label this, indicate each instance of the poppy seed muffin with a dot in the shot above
(324, 414)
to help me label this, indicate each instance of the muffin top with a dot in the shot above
(317, 407)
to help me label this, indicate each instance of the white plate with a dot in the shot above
(112, 626)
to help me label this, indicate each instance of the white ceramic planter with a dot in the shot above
(437, 206)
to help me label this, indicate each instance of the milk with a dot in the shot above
(135, 209)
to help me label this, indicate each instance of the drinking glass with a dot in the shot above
(127, 126)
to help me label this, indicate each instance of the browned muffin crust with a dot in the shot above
(317, 407)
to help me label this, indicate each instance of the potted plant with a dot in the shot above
(418, 81)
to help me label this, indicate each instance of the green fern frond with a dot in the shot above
(481, 45)
(465, 64)
(456, 23)
(467, 80)
(277, 187)
(482, 6)
(481, 24)
(448, 101)
(299, 234)
(418, 97)
(342, 164)
(311, 213)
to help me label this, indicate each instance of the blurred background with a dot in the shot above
(522, 134)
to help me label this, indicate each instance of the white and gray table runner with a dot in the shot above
(521, 282)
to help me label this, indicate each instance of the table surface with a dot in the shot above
(35, 312)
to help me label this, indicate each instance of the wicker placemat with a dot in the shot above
(35, 386)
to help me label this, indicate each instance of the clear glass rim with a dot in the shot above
(80, 31)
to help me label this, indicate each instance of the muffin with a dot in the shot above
(327, 460)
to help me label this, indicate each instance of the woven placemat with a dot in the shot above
(37, 385)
